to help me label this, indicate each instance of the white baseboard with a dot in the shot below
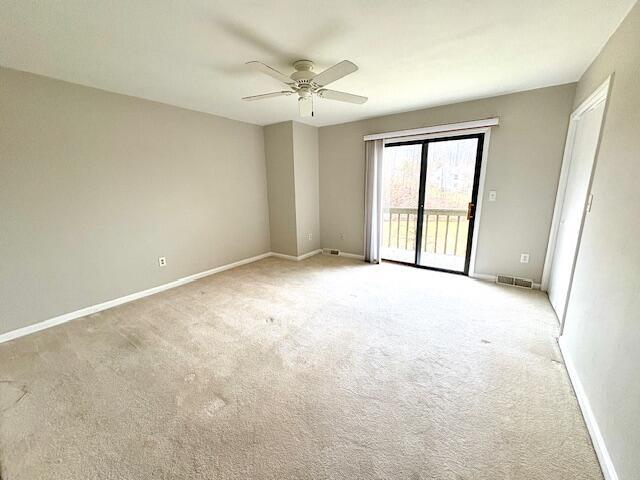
(83, 312)
(599, 446)
(484, 276)
(298, 258)
(351, 255)
(310, 254)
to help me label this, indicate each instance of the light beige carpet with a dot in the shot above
(323, 369)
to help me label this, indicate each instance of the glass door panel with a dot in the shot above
(449, 203)
(400, 192)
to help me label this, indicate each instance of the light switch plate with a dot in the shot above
(524, 258)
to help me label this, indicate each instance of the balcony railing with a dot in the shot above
(444, 231)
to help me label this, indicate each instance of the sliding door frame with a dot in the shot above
(421, 195)
(482, 135)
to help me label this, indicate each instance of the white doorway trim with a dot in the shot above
(479, 202)
(481, 179)
(599, 96)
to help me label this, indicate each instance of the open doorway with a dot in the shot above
(429, 194)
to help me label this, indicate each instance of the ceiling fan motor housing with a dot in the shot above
(304, 71)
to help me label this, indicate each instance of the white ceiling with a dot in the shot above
(411, 53)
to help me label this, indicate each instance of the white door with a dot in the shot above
(580, 161)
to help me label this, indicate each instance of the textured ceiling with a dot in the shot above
(411, 53)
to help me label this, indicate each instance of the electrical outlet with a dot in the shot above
(492, 195)
(162, 261)
(524, 258)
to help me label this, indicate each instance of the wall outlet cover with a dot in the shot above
(524, 258)
(162, 261)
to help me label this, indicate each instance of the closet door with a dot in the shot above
(574, 203)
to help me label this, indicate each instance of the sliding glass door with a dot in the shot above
(429, 197)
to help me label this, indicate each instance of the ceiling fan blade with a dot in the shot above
(341, 96)
(306, 106)
(272, 72)
(334, 73)
(267, 95)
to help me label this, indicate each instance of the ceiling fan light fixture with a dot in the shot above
(305, 106)
(305, 82)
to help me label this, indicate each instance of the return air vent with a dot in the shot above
(330, 251)
(514, 281)
(505, 280)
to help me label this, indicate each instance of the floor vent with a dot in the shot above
(330, 251)
(514, 281)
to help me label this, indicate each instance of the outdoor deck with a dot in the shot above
(444, 237)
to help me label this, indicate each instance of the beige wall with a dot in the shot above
(278, 140)
(95, 186)
(305, 147)
(523, 166)
(292, 169)
(602, 327)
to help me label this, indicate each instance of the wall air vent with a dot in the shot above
(523, 282)
(330, 251)
(514, 281)
(505, 280)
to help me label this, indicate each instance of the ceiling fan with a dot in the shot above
(306, 83)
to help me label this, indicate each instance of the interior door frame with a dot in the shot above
(478, 182)
(600, 95)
